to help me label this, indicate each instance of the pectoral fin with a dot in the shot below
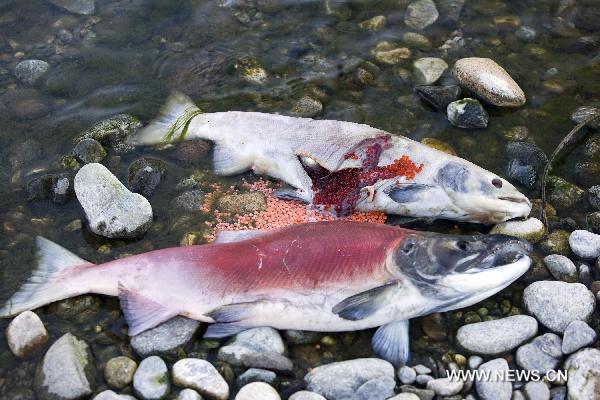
(366, 303)
(391, 342)
(406, 192)
(142, 313)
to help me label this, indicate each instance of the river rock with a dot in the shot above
(557, 304)
(537, 391)
(494, 389)
(202, 376)
(110, 395)
(306, 395)
(407, 396)
(542, 354)
(166, 338)
(489, 81)
(119, 371)
(89, 151)
(256, 375)
(531, 229)
(26, 334)
(256, 348)
(307, 107)
(84, 7)
(594, 196)
(420, 14)
(341, 380)
(113, 132)
(388, 53)
(151, 379)
(190, 200)
(145, 174)
(373, 24)
(66, 371)
(497, 336)
(111, 209)
(467, 113)
(561, 268)
(563, 194)
(30, 71)
(445, 386)
(577, 335)
(376, 389)
(584, 374)
(585, 244)
(583, 113)
(242, 203)
(526, 162)
(407, 375)
(439, 96)
(428, 70)
(257, 390)
(189, 394)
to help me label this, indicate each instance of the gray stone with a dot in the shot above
(467, 113)
(113, 132)
(542, 354)
(257, 390)
(445, 386)
(474, 362)
(189, 394)
(341, 380)
(438, 96)
(111, 209)
(584, 374)
(561, 268)
(83, 7)
(423, 379)
(256, 340)
(306, 395)
(166, 338)
(577, 335)
(518, 395)
(583, 113)
(267, 360)
(494, 389)
(526, 163)
(594, 196)
(89, 151)
(190, 200)
(405, 396)
(557, 304)
(256, 375)
(537, 391)
(526, 33)
(423, 394)
(151, 379)
(110, 395)
(585, 244)
(558, 393)
(67, 370)
(200, 375)
(563, 194)
(420, 369)
(428, 70)
(376, 389)
(489, 81)
(302, 337)
(407, 375)
(242, 203)
(30, 71)
(145, 174)
(26, 334)
(420, 14)
(497, 336)
(119, 371)
(307, 107)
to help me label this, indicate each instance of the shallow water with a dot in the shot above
(129, 54)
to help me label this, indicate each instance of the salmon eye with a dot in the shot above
(408, 246)
(497, 182)
(462, 245)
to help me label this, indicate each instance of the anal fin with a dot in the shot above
(140, 312)
(231, 319)
(227, 161)
(391, 342)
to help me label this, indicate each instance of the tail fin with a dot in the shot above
(171, 123)
(40, 289)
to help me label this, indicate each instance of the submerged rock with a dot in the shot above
(84, 7)
(388, 53)
(438, 96)
(542, 354)
(584, 112)
(151, 379)
(256, 375)
(111, 209)
(577, 335)
(374, 24)
(497, 336)
(242, 203)
(428, 70)
(145, 174)
(527, 162)
(445, 386)
(166, 338)
(89, 151)
(488, 80)
(26, 334)
(467, 113)
(202, 376)
(584, 374)
(66, 371)
(420, 14)
(30, 71)
(307, 107)
(113, 132)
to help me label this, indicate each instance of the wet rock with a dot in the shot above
(188, 394)
(497, 336)
(519, 133)
(251, 71)
(119, 371)
(192, 152)
(375, 389)
(257, 390)
(111, 210)
(428, 70)
(531, 229)
(301, 337)
(256, 375)
(526, 33)
(166, 338)
(488, 80)
(341, 380)
(57, 187)
(527, 161)
(83, 7)
(66, 371)
(557, 304)
(407, 375)
(593, 221)
(307, 107)
(420, 14)
(113, 132)
(563, 194)
(151, 379)
(388, 53)
(110, 395)
(200, 375)
(267, 360)
(250, 345)
(557, 242)
(542, 354)
(25, 104)
(561, 268)
(190, 200)
(577, 335)
(583, 113)
(413, 39)
(423, 379)
(374, 24)
(145, 174)
(445, 386)
(537, 391)
(89, 151)
(450, 10)
(243, 203)
(467, 113)
(26, 334)
(584, 374)
(438, 96)
(585, 244)
(30, 71)
(587, 173)
(494, 389)
(474, 362)
(423, 394)
(439, 145)
(306, 395)
(594, 196)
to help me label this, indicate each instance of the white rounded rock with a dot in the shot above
(306, 395)
(585, 244)
(110, 395)
(531, 229)
(257, 390)
(202, 376)
(151, 379)
(584, 374)
(445, 386)
(497, 336)
(26, 334)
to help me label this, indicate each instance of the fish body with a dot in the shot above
(342, 166)
(327, 276)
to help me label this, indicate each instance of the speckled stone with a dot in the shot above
(257, 390)
(577, 335)
(497, 336)
(489, 81)
(26, 334)
(119, 371)
(151, 379)
(494, 389)
(200, 375)
(584, 374)
(531, 229)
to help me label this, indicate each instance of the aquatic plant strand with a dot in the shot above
(183, 123)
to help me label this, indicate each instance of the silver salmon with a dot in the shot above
(342, 166)
(324, 276)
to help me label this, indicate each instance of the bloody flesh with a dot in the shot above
(340, 190)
